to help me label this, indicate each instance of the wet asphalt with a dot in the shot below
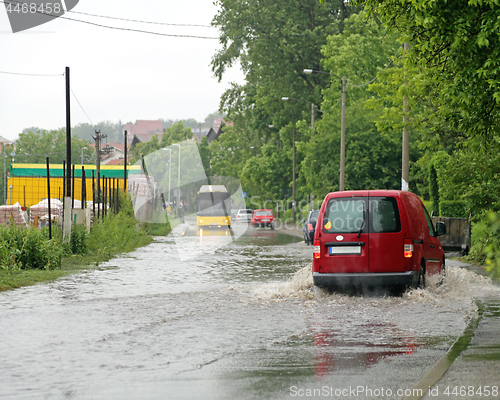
(471, 367)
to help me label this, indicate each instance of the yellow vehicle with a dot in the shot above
(213, 206)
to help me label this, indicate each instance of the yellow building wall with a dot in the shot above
(29, 191)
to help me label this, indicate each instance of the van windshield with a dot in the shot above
(344, 215)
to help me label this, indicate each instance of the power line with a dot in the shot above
(140, 21)
(24, 74)
(159, 33)
(373, 80)
(76, 98)
(108, 26)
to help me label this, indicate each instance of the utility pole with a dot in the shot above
(342, 137)
(4, 177)
(68, 136)
(97, 138)
(293, 178)
(125, 165)
(405, 158)
(312, 117)
(67, 211)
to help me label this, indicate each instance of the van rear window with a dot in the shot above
(344, 215)
(384, 215)
(347, 215)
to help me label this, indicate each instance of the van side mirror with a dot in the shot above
(302, 220)
(440, 228)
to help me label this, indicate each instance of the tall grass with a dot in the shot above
(23, 251)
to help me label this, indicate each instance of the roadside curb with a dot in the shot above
(472, 360)
(291, 229)
(445, 362)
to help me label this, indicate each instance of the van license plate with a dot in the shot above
(344, 250)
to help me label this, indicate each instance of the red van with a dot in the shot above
(375, 238)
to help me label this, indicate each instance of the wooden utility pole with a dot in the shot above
(405, 159)
(342, 137)
(68, 136)
(293, 178)
(67, 212)
(97, 138)
(125, 165)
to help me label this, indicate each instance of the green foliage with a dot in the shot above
(453, 208)
(36, 146)
(28, 248)
(485, 246)
(85, 131)
(175, 134)
(434, 189)
(113, 235)
(454, 59)
(156, 229)
(471, 175)
(492, 249)
(78, 240)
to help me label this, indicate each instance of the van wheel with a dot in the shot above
(306, 240)
(443, 273)
(421, 277)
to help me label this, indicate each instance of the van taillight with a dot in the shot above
(316, 249)
(408, 248)
(310, 227)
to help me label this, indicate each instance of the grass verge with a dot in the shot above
(28, 257)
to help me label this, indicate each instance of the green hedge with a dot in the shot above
(453, 208)
(485, 243)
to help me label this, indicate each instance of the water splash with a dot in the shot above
(299, 286)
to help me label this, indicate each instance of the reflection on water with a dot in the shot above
(241, 321)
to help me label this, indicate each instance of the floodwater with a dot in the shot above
(240, 321)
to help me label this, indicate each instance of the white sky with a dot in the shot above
(115, 74)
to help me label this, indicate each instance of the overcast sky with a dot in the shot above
(115, 74)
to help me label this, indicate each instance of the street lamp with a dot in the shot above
(293, 169)
(312, 108)
(169, 171)
(178, 177)
(83, 148)
(342, 124)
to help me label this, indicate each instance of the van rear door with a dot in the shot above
(344, 234)
(386, 237)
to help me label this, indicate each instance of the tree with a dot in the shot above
(175, 134)
(273, 43)
(373, 158)
(35, 147)
(454, 59)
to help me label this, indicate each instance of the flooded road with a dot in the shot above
(240, 322)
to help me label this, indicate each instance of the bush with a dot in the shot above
(492, 249)
(433, 187)
(453, 208)
(485, 246)
(28, 248)
(78, 240)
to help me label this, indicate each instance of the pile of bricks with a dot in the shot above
(13, 212)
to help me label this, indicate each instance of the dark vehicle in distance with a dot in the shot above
(310, 226)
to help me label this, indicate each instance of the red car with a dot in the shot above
(375, 238)
(263, 218)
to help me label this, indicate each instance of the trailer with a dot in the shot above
(458, 233)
